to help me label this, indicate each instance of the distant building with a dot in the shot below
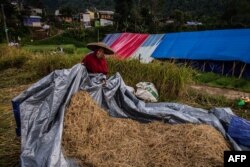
(193, 23)
(105, 22)
(60, 17)
(106, 17)
(14, 3)
(105, 14)
(17, 4)
(32, 21)
(91, 14)
(169, 21)
(36, 11)
(67, 19)
(85, 19)
(57, 13)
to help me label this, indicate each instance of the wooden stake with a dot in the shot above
(233, 68)
(204, 65)
(223, 66)
(242, 70)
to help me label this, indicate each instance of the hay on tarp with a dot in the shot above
(95, 139)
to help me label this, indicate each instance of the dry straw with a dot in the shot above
(95, 139)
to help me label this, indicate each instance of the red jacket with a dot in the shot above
(94, 64)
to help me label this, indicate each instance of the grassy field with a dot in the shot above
(217, 80)
(21, 67)
(47, 48)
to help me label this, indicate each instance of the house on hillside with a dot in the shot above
(105, 14)
(85, 19)
(60, 17)
(105, 17)
(105, 22)
(33, 11)
(32, 21)
(36, 11)
(193, 23)
(92, 14)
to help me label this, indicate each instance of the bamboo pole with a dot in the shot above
(233, 68)
(223, 66)
(204, 65)
(5, 26)
(242, 70)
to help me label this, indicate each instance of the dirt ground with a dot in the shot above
(228, 93)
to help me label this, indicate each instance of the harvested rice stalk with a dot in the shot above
(95, 139)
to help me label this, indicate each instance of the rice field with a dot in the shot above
(21, 67)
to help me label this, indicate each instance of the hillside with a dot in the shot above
(76, 4)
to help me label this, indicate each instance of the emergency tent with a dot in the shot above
(220, 51)
(126, 44)
(144, 52)
(39, 113)
(219, 45)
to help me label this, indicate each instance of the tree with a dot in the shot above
(124, 13)
(67, 11)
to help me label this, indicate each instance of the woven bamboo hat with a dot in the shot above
(97, 45)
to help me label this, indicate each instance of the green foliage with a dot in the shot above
(50, 48)
(77, 37)
(59, 40)
(169, 79)
(13, 77)
(217, 80)
(44, 64)
(150, 16)
(207, 77)
(11, 58)
(78, 5)
(202, 100)
(20, 66)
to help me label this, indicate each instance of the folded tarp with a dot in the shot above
(144, 52)
(218, 45)
(239, 130)
(126, 44)
(41, 110)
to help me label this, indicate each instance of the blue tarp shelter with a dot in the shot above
(221, 51)
(223, 45)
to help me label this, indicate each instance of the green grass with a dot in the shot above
(13, 77)
(10, 144)
(217, 80)
(21, 66)
(169, 80)
(59, 40)
(50, 48)
(206, 101)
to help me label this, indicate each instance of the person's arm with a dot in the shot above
(83, 59)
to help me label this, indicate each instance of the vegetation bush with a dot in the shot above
(219, 80)
(12, 57)
(59, 40)
(51, 48)
(170, 80)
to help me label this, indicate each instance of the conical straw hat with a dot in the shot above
(97, 45)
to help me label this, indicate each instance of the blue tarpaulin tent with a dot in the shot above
(223, 45)
(220, 51)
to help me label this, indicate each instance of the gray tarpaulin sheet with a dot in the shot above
(42, 107)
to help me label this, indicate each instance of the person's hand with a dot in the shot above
(104, 82)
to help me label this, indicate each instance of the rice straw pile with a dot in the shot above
(95, 139)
